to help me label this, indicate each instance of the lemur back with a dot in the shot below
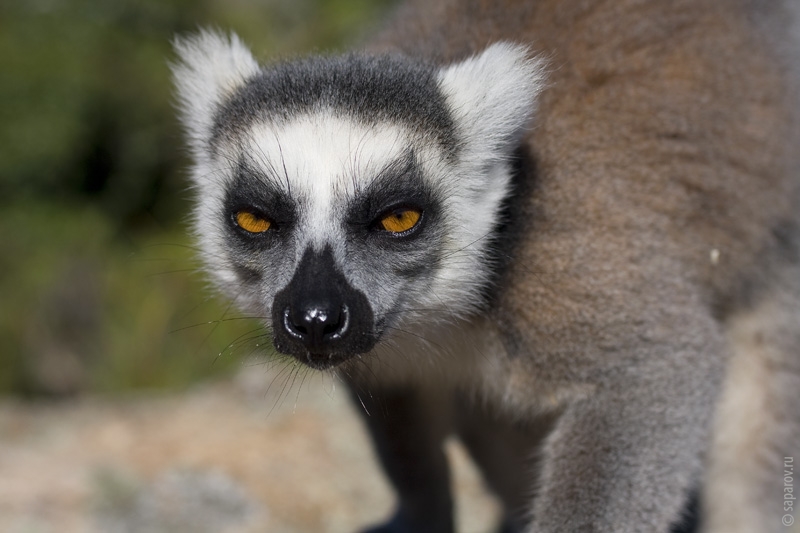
(567, 231)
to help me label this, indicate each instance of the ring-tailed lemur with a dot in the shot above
(587, 266)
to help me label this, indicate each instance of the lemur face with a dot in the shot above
(345, 199)
(334, 229)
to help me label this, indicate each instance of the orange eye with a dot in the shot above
(251, 223)
(401, 220)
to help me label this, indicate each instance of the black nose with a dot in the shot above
(317, 325)
(319, 317)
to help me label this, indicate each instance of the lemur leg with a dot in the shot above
(506, 454)
(626, 457)
(408, 428)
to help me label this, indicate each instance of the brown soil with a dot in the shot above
(227, 457)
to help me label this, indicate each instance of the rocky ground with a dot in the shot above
(227, 457)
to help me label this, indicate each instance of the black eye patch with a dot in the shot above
(398, 185)
(253, 192)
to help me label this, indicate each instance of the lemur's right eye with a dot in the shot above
(252, 223)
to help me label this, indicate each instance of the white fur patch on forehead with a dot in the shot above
(320, 159)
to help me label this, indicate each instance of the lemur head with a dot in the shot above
(347, 197)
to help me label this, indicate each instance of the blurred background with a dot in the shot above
(131, 398)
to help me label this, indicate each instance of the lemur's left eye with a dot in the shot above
(252, 223)
(400, 220)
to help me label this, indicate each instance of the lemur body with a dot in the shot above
(566, 230)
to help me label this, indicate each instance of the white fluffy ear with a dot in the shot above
(492, 96)
(210, 67)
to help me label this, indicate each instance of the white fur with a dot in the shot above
(211, 66)
(322, 159)
(492, 96)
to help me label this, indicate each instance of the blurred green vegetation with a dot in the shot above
(99, 288)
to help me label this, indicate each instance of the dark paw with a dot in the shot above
(400, 523)
(510, 526)
(389, 527)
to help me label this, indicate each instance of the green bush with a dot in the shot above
(88, 309)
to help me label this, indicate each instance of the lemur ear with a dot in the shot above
(492, 96)
(210, 66)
